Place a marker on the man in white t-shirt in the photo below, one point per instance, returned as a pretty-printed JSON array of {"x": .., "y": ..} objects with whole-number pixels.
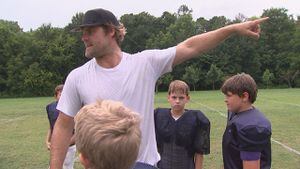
[{"x": 129, "y": 78}]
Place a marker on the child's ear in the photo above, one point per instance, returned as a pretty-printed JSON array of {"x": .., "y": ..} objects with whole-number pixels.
[
  {"x": 84, "y": 161},
  {"x": 245, "y": 96},
  {"x": 168, "y": 97}
]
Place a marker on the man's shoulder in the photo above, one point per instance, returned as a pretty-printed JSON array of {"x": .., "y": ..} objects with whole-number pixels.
[
  {"x": 152, "y": 52},
  {"x": 86, "y": 65},
  {"x": 142, "y": 55},
  {"x": 82, "y": 69}
]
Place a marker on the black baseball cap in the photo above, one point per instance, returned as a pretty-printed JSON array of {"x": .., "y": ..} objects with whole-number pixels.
[{"x": 96, "y": 17}]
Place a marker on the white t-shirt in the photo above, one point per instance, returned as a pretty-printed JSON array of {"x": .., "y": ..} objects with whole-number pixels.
[{"x": 132, "y": 82}]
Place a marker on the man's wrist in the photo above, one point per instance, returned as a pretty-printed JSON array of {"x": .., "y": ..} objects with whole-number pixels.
[{"x": 231, "y": 29}]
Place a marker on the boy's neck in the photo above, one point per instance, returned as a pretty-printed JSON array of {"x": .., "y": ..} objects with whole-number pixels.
[
  {"x": 245, "y": 108},
  {"x": 177, "y": 113}
]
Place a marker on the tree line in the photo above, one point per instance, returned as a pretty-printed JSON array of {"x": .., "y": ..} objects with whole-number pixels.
[{"x": 32, "y": 63}]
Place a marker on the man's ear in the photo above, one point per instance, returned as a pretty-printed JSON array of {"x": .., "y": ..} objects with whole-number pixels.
[
  {"x": 112, "y": 31},
  {"x": 84, "y": 161}
]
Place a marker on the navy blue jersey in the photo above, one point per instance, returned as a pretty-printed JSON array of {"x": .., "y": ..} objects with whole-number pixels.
[
  {"x": 52, "y": 113},
  {"x": 246, "y": 132},
  {"x": 179, "y": 140}
]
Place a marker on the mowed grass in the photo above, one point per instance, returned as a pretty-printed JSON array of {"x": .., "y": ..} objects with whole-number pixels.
[
  {"x": 24, "y": 124},
  {"x": 281, "y": 107}
]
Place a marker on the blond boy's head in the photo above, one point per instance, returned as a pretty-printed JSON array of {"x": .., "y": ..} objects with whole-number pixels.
[
  {"x": 107, "y": 135},
  {"x": 178, "y": 86}
]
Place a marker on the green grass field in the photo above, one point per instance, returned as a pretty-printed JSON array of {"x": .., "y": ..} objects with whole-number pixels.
[{"x": 23, "y": 127}]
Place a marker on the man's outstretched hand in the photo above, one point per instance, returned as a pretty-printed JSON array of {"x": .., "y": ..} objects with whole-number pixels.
[{"x": 249, "y": 28}]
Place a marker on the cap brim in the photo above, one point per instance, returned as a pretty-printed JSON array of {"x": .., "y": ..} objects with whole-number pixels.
[{"x": 80, "y": 27}]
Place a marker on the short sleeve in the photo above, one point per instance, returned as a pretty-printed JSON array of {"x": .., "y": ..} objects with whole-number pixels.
[
  {"x": 161, "y": 60},
  {"x": 202, "y": 137},
  {"x": 47, "y": 110},
  {"x": 69, "y": 102},
  {"x": 253, "y": 138}
]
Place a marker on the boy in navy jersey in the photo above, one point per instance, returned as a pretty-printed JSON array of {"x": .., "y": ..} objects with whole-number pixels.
[
  {"x": 246, "y": 140},
  {"x": 182, "y": 135},
  {"x": 52, "y": 114}
]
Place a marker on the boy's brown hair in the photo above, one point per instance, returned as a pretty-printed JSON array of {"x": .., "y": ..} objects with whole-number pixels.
[
  {"x": 57, "y": 89},
  {"x": 240, "y": 83},
  {"x": 179, "y": 86},
  {"x": 108, "y": 135}
]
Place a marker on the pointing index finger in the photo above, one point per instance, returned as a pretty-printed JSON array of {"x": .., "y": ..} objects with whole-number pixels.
[{"x": 260, "y": 20}]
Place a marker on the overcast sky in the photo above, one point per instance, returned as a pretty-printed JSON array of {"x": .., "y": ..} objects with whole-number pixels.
[{"x": 33, "y": 13}]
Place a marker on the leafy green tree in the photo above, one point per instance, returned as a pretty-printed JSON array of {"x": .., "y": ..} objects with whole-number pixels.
[
  {"x": 50, "y": 53},
  {"x": 216, "y": 22},
  {"x": 202, "y": 25},
  {"x": 192, "y": 75},
  {"x": 291, "y": 71},
  {"x": 9, "y": 47},
  {"x": 164, "y": 80},
  {"x": 166, "y": 20},
  {"x": 74, "y": 47},
  {"x": 214, "y": 75},
  {"x": 18, "y": 63},
  {"x": 295, "y": 56},
  {"x": 181, "y": 29},
  {"x": 37, "y": 81},
  {"x": 47, "y": 49},
  {"x": 276, "y": 41},
  {"x": 139, "y": 28},
  {"x": 267, "y": 77},
  {"x": 163, "y": 38},
  {"x": 183, "y": 10},
  {"x": 75, "y": 21}
]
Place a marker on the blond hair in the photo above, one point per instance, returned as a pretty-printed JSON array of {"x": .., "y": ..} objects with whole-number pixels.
[
  {"x": 108, "y": 135},
  {"x": 120, "y": 31},
  {"x": 179, "y": 86}
]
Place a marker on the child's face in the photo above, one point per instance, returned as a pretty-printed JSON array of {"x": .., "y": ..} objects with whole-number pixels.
[
  {"x": 57, "y": 97},
  {"x": 178, "y": 100},
  {"x": 234, "y": 102}
]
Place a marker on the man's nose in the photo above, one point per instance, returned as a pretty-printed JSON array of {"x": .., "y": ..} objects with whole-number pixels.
[{"x": 84, "y": 36}]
